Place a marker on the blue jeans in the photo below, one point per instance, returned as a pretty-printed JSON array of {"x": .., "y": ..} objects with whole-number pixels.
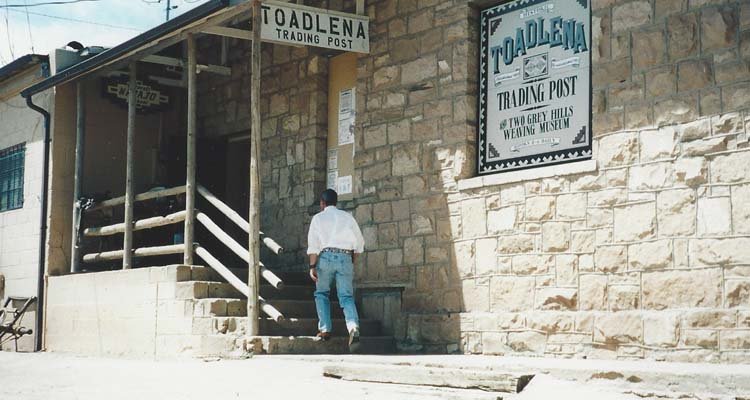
[{"x": 338, "y": 267}]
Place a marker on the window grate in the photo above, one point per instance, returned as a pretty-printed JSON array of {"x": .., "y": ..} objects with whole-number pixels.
[{"x": 11, "y": 177}]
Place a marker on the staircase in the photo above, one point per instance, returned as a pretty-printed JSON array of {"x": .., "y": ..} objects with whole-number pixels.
[{"x": 220, "y": 318}]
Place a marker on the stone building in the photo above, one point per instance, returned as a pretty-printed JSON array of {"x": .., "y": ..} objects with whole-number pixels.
[{"x": 640, "y": 251}]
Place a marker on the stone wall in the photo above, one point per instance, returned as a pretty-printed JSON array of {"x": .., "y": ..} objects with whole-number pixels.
[{"x": 638, "y": 254}]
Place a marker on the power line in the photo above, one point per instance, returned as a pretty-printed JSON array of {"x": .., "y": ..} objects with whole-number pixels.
[
  {"x": 7, "y": 31},
  {"x": 82, "y": 21},
  {"x": 48, "y": 3},
  {"x": 28, "y": 24}
]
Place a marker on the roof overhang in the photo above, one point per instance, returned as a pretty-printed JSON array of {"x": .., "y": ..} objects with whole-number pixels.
[
  {"x": 212, "y": 13},
  {"x": 20, "y": 64}
]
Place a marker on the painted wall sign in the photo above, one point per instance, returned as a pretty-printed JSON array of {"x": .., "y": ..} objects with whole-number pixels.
[
  {"x": 150, "y": 97},
  {"x": 535, "y": 85},
  {"x": 301, "y": 25}
]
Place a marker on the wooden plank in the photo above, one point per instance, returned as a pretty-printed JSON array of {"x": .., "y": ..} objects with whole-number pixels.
[
  {"x": 487, "y": 380},
  {"x": 127, "y": 245},
  {"x": 142, "y": 252},
  {"x": 229, "y": 32},
  {"x": 237, "y": 249},
  {"x": 141, "y": 197},
  {"x": 78, "y": 175},
  {"x": 192, "y": 122},
  {"x": 254, "y": 214},
  {"x": 147, "y": 223}
]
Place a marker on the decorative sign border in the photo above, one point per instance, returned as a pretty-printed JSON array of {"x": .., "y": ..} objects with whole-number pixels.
[
  {"x": 485, "y": 150},
  {"x": 150, "y": 97}
]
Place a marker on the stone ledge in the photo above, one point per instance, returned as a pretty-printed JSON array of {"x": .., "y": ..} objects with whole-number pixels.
[{"x": 527, "y": 174}]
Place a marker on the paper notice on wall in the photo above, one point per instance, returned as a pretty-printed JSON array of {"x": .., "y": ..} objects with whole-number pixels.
[
  {"x": 332, "y": 181},
  {"x": 333, "y": 159},
  {"x": 345, "y": 184},
  {"x": 346, "y": 116}
]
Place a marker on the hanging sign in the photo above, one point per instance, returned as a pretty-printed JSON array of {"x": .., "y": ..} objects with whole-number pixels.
[
  {"x": 149, "y": 96},
  {"x": 535, "y": 84},
  {"x": 307, "y": 26}
]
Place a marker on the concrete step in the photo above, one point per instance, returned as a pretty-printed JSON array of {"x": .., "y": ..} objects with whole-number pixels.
[
  {"x": 303, "y": 308},
  {"x": 205, "y": 289},
  {"x": 289, "y": 278},
  {"x": 309, "y": 327},
  {"x": 313, "y": 345},
  {"x": 290, "y": 292},
  {"x": 220, "y": 307}
]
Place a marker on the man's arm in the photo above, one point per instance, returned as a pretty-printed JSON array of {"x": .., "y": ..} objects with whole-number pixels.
[{"x": 313, "y": 248}]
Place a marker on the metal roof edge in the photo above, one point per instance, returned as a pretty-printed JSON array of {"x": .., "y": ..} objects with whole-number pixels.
[
  {"x": 112, "y": 54},
  {"x": 21, "y": 63}
]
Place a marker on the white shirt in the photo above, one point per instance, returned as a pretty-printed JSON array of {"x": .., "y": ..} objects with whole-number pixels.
[{"x": 334, "y": 228}]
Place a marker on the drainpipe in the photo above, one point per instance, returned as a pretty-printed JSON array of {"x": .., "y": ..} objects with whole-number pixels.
[{"x": 42, "y": 225}]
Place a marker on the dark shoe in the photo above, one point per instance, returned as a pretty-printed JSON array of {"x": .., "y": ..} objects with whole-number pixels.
[
  {"x": 325, "y": 336},
  {"x": 354, "y": 340}
]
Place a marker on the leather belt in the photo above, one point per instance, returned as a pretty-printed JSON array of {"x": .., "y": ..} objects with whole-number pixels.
[{"x": 335, "y": 250}]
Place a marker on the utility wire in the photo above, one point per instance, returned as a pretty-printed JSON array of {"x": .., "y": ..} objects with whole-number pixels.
[
  {"x": 48, "y": 3},
  {"x": 82, "y": 21},
  {"x": 7, "y": 31},
  {"x": 28, "y": 24}
]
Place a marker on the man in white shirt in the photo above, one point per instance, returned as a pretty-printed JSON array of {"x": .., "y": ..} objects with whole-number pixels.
[{"x": 333, "y": 244}]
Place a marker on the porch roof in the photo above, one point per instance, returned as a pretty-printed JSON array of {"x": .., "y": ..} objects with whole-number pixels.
[{"x": 147, "y": 43}]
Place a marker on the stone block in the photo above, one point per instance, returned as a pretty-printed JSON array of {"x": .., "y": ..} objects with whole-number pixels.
[
  {"x": 676, "y": 110},
  {"x": 692, "y": 171},
  {"x": 406, "y": 159},
  {"x": 694, "y": 75},
  {"x": 682, "y": 289},
  {"x": 714, "y": 216},
  {"x": 532, "y": 264},
  {"x": 582, "y": 241},
  {"x": 719, "y": 28},
  {"x": 661, "y": 330},
  {"x": 737, "y": 293},
  {"x": 618, "y": 149},
  {"x": 735, "y": 340},
  {"x": 550, "y": 322},
  {"x": 710, "y": 319},
  {"x": 741, "y": 209},
  {"x": 704, "y": 252},
  {"x": 650, "y": 255},
  {"x": 736, "y": 96},
  {"x": 611, "y": 258},
  {"x": 571, "y": 206},
  {"x": 473, "y": 218},
  {"x": 486, "y": 256},
  {"x": 592, "y": 292},
  {"x": 682, "y": 32},
  {"x": 705, "y": 146},
  {"x": 728, "y": 123},
  {"x": 649, "y": 49},
  {"x": 540, "y": 208},
  {"x": 658, "y": 144},
  {"x": 694, "y": 130},
  {"x": 623, "y": 297},
  {"x": 635, "y": 222},
  {"x": 414, "y": 251},
  {"x": 630, "y": 15},
  {"x": 520, "y": 243},
  {"x": 676, "y": 212},
  {"x": 651, "y": 176},
  {"x": 724, "y": 167},
  {"x": 476, "y": 298},
  {"x": 421, "y": 225},
  {"x": 607, "y": 197},
  {"x": 523, "y": 342},
  {"x": 618, "y": 328},
  {"x": 661, "y": 81},
  {"x": 555, "y": 236},
  {"x": 599, "y": 217},
  {"x": 386, "y": 76},
  {"x": 501, "y": 220},
  {"x": 419, "y": 70},
  {"x": 555, "y": 298},
  {"x": 706, "y": 339},
  {"x": 495, "y": 343},
  {"x": 512, "y": 293}
]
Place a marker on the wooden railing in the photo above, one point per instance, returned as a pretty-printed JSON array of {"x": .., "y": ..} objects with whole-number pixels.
[{"x": 180, "y": 217}]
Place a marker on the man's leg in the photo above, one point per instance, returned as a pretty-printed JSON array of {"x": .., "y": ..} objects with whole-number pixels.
[
  {"x": 322, "y": 289},
  {"x": 345, "y": 290}
]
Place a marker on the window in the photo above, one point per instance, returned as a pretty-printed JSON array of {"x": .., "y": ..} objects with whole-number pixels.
[{"x": 11, "y": 177}]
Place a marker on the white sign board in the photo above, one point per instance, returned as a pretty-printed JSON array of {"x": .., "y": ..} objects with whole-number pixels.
[
  {"x": 307, "y": 26},
  {"x": 535, "y": 85}
]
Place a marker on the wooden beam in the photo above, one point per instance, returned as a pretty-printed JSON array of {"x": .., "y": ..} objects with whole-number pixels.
[
  {"x": 142, "y": 252},
  {"x": 229, "y": 32},
  {"x": 78, "y": 175},
  {"x": 254, "y": 214},
  {"x": 127, "y": 245},
  {"x": 192, "y": 122},
  {"x": 360, "y": 7},
  {"x": 176, "y": 62},
  {"x": 141, "y": 197},
  {"x": 147, "y": 223}
]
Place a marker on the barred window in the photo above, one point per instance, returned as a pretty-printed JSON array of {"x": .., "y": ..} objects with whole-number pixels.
[{"x": 11, "y": 177}]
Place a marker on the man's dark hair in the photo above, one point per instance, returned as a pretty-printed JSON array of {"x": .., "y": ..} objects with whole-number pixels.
[{"x": 330, "y": 197}]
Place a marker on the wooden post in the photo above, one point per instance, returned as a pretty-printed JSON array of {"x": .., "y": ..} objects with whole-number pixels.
[
  {"x": 78, "y": 177},
  {"x": 189, "y": 234},
  {"x": 127, "y": 246},
  {"x": 254, "y": 215}
]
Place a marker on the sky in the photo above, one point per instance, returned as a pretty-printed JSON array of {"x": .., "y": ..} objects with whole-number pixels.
[{"x": 92, "y": 23}]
